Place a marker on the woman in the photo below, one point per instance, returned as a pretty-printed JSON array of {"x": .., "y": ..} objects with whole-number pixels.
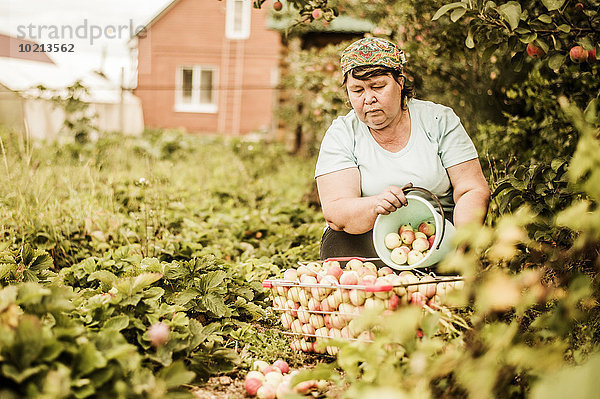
[{"x": 389, "y": 141}]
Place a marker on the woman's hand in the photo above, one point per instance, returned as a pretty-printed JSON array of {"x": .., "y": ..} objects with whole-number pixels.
[{"x": 390, "y": 199}]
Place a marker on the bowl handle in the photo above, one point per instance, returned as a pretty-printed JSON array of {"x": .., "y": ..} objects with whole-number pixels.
[{"x": 438, "y": 203}]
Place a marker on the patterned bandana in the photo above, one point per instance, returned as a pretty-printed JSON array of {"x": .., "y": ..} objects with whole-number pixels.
[{"x": 372, "y": 51}]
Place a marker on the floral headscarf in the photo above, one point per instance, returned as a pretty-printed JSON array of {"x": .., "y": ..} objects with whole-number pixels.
[{"x": 372, "y": 51}]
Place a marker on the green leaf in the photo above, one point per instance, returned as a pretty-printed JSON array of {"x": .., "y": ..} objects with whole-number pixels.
[
  {"x": 211, "y": 280},
  {"x": 103, "y": 276},
  {"x": 117, "y": 323},
  {"x": 216, "y": 305},
  {"x": 41, "y": 262},
  {"x": 447, "y": 7},
  {"x": 6, "y": 269},
  {"x": 27, "y": 254},
  {"x": 511, "y": 13},
  {"x": 469, "y": 42},
  {"x": 88, "y": 359},
  {"x": 578, "y": 382},
  {"x": 14, "y": 374},
  {"x": 457, "y": 13},
  {"x": 556, "y": 61},
  {"x": 552, "y": 5},
  {"x": 564, "y": 28},
  {"x": 586, "y": 43},
  {"x": 176, "y": 375},
  {"x": 545, "y": 18}
]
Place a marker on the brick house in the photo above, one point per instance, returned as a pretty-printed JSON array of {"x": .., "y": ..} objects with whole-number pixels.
[{"x": 208, "y": 66}]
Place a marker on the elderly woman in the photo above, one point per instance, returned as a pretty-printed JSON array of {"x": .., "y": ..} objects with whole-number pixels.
[{"x": 388, "y": 142}]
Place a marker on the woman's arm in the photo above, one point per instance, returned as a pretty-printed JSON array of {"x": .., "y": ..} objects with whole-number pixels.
[
  {"x": 470, "y": 191},
  {"x": 345, "y": 209}
]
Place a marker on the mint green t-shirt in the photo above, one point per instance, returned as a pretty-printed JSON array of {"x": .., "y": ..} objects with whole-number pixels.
[{"x": 437, "y": 141}]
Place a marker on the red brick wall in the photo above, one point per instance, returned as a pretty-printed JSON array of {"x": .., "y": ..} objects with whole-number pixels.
[{"x": 193, "y": 32}]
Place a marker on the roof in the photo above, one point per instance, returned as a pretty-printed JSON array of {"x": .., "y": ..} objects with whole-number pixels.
[
  {"x": 9, "y": 47},
  {"x": 24, "y": 76},
  {"x": 158, "y": 16}
]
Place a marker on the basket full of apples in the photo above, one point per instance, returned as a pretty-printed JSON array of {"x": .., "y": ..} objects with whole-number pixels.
[{"x": 320, "y": 300}]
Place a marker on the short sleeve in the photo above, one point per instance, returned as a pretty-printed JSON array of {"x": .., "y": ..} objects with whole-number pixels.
[
  {"x": 337, "y": 149},
  {"x": 454, "y": 144}
]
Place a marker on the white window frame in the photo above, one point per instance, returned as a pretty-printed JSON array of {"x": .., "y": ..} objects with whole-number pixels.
[
  {"x": 196, "y": 105},
  {"x": 244, "y": 31}
]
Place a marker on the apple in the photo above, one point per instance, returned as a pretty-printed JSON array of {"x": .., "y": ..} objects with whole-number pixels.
[
  {"x": 317, "y": 348},
  {"x": 404, "y": 248},
  {"x": 409, "y": 280},
  {"x": 303, "y": 315},
  {"x": 292, "y": 307},
  {"x": 398, "y": 256},
  {"x": 259, "y": 365},
  {"x": 357, "y": 297},
  {"x": 414, "y": 257},
  {"x": 294, "y": 294},
  {"x": 381, "y": 281},
  {"x": 394, "y": 302},
  {"x": 307, "y": 329},
  {"x": 158, "y": 334},
  {"x": 296, "y": 327},
  {"x": 374, "y": 304},
  {"x": 578, "y": 54},
  {"x": 303, "y": 298},
  {"x": 392, "y": 240},
  {"x": 252, "y": 385},
  {"x": 418, "y": 234},
  {"x": 283, "y": 390},
  {"x": 308, "y": 279},
  {"x": 279, "y": 302},
  {"x": 303, "y": 387},
  {"x": 337, "y": 321},
  {"x": 346, "y": 333},
  {"x": 273, "y": 378},
  {"x": 418, "y": 299},
  {"x": 579, "y": 6},
  {"x": 349, "y": 278},
  {"x": 592, "y": 55},
  {"x": 305, "y": 345},
  {"x": 354, "y": 264},
  {"x": 317, "y": 321},
  {"x": 420, "y": 244},
  {"x": 427, "y": 289},
  {"x": 408, "y": 236},
  {"x": 290, "y": 275},
  {"x": 371, "y": 266},
  {"x": 405, "y": 227},
  {"x": 364, "y": 271},
  {"x": 267, "y": 391},
  {"x": 317, "y": 13},
  {"x": 334, "y": 300},
  {"x": 277, "y": 6},
  {"x": 319, "y": 293},
  {"x": 535, "y": 51},
  {"x": 384, "y": 271},
  {"x": 286, "y": 321},
  {"x": 431, "y": 240},
  {"x": 427, "y": 228},
  {"x": 313, "y": 305},
  {"x": 346, "y": 311},
  {"x": 305, "y": 271},
  {"x": 335, "y": 271}
]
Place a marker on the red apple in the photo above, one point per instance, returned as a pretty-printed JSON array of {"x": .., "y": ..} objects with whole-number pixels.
[
  {"x": 534, "y": 51},
  {"x": 427, "y": 228},
  {"x": 417, "y": 298},
  {"x": 277, "y": 6},
  {"x": 408, "y": 236},
  {"x": 335, "y": 271},
  {"x": 349, "y": 278},
  {"x": 317, "y": 13},
  {"x": 384, "y": 271},
  {"x": 405, "y": 227},
  {"x": 431, "y": 240},
  {"x": 252, "y": 385},
  {"x": 578, "y": 54},
  {"x": 592, "y": 55}
]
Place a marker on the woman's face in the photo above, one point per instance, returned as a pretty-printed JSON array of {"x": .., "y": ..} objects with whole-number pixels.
[{"x": 376, "y": 100}]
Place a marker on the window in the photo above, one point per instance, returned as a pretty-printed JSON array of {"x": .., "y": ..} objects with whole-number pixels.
[
  {"x": 196, "y": 89},
  {"x": 237, "y": 22}
]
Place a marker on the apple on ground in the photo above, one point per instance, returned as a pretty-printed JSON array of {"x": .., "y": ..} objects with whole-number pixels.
[
  {"x": 252, "y": 385},
  {"x": 273, "y": 378},
  {"x": 267, "y": 391},
  {"x": 259, "y": 365},
  {"x": 282, "y": 365}
]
